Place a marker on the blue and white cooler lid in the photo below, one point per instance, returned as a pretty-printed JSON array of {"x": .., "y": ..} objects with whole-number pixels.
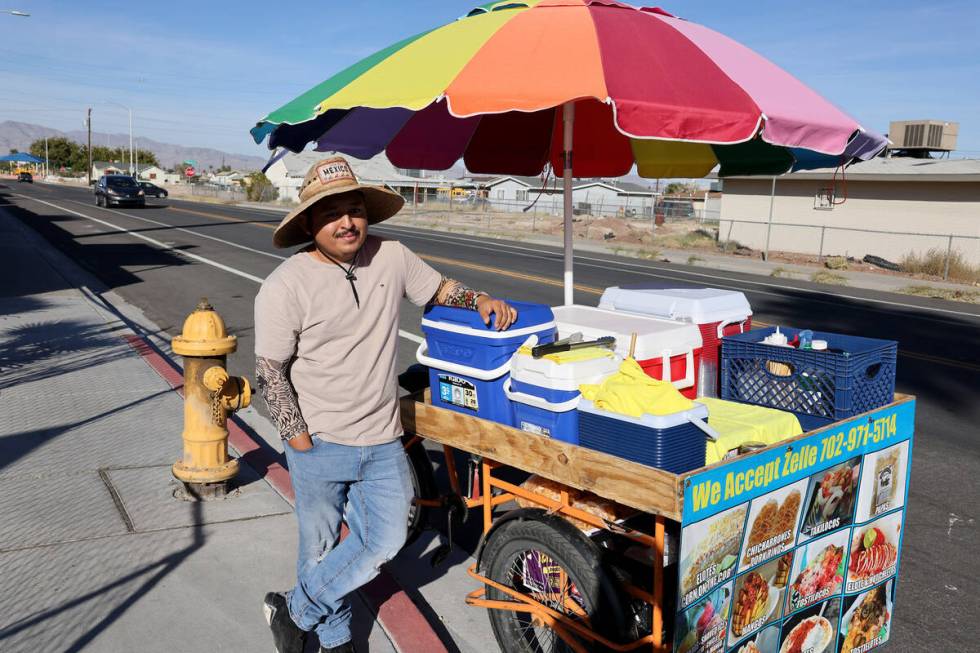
[{"x": 531, "y": 318}]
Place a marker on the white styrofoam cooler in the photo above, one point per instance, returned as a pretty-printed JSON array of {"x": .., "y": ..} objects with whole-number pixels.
[
  {"x": 716, "y": 312},
  {"x": 694, "y": 305},
  {"x": 666, "y": 349}
]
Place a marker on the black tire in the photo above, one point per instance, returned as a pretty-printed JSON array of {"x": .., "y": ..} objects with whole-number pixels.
[
  {"x": 519, "y": 543},
  {"x": 423, "y": 486},
  {"x": 885, "y": 264}
]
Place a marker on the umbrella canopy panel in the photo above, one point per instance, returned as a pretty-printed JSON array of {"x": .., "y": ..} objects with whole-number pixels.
[{"x": 672, "y": 97}]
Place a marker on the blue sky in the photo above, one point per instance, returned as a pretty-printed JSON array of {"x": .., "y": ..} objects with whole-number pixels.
[{"x": 201, "y": 73}]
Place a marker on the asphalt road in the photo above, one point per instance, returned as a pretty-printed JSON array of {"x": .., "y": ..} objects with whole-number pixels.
[{"x": 164, "y": 257}]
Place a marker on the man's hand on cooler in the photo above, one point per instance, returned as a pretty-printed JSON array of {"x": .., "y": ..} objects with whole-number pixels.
[
  {"x": 301, "y": 442},
  {"x": 506, "y": 314}
]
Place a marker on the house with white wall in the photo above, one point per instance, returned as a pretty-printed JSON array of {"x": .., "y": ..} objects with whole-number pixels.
[
  {"x": 594, "y": 197},
  {"x": 288, "y": 172},
  {"x": 157, "y": 175},
  {"x": 226, "y": 178},
  {"x": 885, "y": 207}
]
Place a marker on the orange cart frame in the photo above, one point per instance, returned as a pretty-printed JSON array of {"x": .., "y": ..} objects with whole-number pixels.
[{"x": 646, "y": 489}]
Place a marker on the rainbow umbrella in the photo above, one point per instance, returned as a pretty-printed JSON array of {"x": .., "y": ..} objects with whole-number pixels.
[{"x": 513, "y": 86}]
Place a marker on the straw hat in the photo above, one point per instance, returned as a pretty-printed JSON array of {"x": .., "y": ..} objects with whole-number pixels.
[{"x": 333, "y": 176}]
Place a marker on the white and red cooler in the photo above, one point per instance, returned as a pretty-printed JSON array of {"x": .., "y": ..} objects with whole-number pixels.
[
  {"x": 665, "y": 349},
  {"x": 715, "y": 312}
]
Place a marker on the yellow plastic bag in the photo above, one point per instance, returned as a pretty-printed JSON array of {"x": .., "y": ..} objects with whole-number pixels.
[
  {"x": 631, "y": 392},
  {"x": 738, "y": 423}
]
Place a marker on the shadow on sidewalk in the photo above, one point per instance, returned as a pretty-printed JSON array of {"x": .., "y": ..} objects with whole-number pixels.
[
  {"x": 151, "y": 575},
  {"x": 45, "y": 349},
  {"x": 15, "y": 447}
]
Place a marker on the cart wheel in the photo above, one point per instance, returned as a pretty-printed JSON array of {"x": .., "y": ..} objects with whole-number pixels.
[
  {"x": 423, "y": 485},
  {"x": 560, "y": 571}
]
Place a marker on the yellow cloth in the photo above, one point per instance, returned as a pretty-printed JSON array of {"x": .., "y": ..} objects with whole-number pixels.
[
  {"x": 738, "y": 423},
  {"x": 572, "y": 356},
  {"x": 631, "y": 392}
]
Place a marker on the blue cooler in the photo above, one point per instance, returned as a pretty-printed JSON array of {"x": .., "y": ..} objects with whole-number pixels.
[
  {"x": 544, "y": 391},
  {"x": 469, "y": 361},
  {"x": 675, "y": 443}
]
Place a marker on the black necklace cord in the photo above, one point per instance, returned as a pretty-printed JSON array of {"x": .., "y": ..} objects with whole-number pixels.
[{"x": 349, "y": 272}]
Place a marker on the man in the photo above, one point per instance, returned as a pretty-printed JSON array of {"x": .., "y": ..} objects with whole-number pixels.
[{"x": 326, "y": 333}]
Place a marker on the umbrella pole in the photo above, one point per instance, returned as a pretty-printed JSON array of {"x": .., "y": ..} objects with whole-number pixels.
[{"x": 568, "y": 119}]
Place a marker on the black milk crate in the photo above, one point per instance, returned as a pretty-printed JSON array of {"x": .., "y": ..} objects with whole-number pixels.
[{"x": 852, "y": 376}]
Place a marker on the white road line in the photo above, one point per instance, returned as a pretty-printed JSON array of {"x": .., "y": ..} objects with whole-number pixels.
[
  {"x": 221, "y": 266},
  {"x": 188, "y": 231},
  {"x": 153, "y": 241},
  {"x": 666, "y": 272}
]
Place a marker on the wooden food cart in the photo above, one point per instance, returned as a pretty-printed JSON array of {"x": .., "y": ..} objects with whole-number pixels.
[{"x": 741, "y": 541}]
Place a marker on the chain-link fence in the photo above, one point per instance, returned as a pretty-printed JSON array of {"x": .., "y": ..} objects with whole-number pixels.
[
  {"x": 220, "y": 193},
  {"x": 889, "y": 248},
  {"x": 553, "y": 205}
]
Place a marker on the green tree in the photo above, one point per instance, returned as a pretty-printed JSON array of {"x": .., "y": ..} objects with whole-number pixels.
[
  {"x": 260, "y": 189},
  {"x": 679, "y": 188},
  {"x": 146, "y": 157},
  {"x": 61, "y": 152}
]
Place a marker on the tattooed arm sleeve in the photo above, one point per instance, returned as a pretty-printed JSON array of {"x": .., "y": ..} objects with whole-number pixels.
[
  {"x": 280, "y": 397},
  {"x": 455, "y": 293}
]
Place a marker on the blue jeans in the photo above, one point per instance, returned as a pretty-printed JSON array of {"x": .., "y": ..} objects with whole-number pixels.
[{"x": 369, "y": 487}]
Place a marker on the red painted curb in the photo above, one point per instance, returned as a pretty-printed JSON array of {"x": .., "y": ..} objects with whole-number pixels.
[{"x": 405, "y": 625}]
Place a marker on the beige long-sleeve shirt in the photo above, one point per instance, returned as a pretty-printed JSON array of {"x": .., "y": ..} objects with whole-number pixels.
[{"x": 343, "y": 356}]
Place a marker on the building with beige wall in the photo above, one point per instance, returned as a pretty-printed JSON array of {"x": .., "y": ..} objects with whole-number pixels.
[{"x": 931, "y": 198}]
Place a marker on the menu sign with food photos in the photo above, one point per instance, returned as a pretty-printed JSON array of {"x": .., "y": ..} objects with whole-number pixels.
[{"x": 796, "y": 549}]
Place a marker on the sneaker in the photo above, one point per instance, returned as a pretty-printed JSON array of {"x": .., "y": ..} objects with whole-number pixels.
[
  {"x": 346, "y": 647},
  {"x": 287, "y": 636}
]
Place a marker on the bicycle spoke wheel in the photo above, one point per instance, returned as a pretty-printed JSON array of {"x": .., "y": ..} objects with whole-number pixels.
[{"x": 556, "y": 570}]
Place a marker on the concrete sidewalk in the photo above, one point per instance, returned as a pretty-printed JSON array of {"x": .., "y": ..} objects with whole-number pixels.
[{"x": 97, "y": 553}]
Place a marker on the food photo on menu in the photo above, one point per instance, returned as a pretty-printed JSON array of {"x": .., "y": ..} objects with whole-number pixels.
[
  {"x": 772, "y": 523},
  {"x": 873, "y": 552},
  {"x": 758, "y": 597},
  {"x": 702, "y": 628},
  {"x": 830, "y": 499},
  {"x": 883, "y": 482},
  {"x": 765, "y": 641},
  {"x": 813, "y": 630},
  {"x": 709, "y": 551},
  {"x": 867, "y": 619},
  {"x": 818, "y": 570}
]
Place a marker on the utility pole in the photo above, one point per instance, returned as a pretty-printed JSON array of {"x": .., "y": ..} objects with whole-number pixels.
[
  {"x": 132, "y": 154},
  {"x": 47, "y": 167},
  {"x": 88, "y": 121}
]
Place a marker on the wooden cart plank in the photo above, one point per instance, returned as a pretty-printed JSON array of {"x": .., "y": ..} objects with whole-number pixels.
[{"x": 632, "y": 484}]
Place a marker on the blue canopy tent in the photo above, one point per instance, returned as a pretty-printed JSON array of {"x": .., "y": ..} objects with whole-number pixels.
[{"x": 21, "y": 157}]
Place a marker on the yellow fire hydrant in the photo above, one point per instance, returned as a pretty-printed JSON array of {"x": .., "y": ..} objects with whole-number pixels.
[{"x": 210, "y": 395}]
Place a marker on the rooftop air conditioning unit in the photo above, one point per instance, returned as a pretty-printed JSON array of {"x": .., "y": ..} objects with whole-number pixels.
[{"x": 932, "y": 135}]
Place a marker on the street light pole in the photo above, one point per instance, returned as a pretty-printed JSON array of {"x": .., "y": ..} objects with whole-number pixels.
[
  {"x": 132, "y": 156},
  {"x": 88, "y": 124}
]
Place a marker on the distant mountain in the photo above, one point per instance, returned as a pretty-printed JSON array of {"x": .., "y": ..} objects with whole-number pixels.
[{"x": 20, "y": 135}]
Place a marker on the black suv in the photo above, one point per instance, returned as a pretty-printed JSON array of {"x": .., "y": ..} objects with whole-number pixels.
[
  {"x": 25, "y": 176},
  {"x": 118, "y": 190},
  {"x": 152, "y": 190}
]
